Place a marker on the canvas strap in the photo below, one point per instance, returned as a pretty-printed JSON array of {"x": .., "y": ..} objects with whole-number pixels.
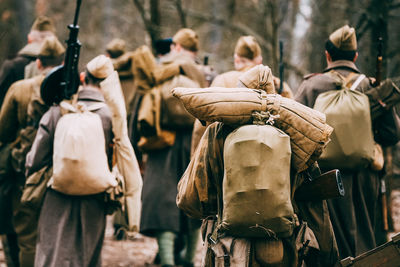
[{"x": 357, "y": 82}]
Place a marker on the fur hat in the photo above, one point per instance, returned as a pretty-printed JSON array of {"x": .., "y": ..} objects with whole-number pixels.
[
  {"x": 188, "y": 39},
  {"x": 247, "y": 47},
  {"x": 100, "y": 67}
]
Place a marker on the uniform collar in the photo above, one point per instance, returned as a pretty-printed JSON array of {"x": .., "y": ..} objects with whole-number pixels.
[
  {"x": 342, "y": 64},
  {"x": 90, "y": 94}
]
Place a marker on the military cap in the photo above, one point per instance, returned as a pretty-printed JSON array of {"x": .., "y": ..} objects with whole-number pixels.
[
  {"x": 187, "y": 38},
  {"x": 344, "y": 38},
  {"x": 100, "y": 67},
  {"x": 116, "y": 47},
  {"x": 247, "y": 47},
  {"x": 42, "y": 24},
  {"x": 51, "y": 48}
]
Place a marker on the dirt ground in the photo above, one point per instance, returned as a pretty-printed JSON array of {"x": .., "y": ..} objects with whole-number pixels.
[{"x": 140, "y": 250}]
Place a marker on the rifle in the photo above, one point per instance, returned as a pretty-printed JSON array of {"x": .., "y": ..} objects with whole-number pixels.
[
  {"x": 63, "y": 81},
  {"x": 379, "y": 59},
  {"x": 326, "y": 186},
  {"x": 281, "y": 67},
  {"x": 378, "y": 80}
]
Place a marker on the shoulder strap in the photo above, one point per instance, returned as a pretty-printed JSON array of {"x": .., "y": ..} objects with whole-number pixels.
[
  {"x": 357, "y": 82},
  {"x": 347, "y": 81}
]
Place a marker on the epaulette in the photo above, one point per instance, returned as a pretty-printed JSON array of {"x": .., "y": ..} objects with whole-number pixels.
[{"x": 308, "y": 76}]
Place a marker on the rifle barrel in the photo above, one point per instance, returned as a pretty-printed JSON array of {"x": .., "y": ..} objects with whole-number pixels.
[{"x": 78, "y": 6}]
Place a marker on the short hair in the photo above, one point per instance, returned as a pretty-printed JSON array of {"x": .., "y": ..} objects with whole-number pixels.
[
  {"x": 338, "y": 54},
  {"x": 91, "y": 80},
  {"x": 51, "y": 61}
]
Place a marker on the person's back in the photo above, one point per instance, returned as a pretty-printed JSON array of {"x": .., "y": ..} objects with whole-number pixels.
[
  {"x": 354, "y": 216},
  {"x": 160, "y": 216},
  {"x": 14, "y": 69},
  {"x": 71, "y": 228}
]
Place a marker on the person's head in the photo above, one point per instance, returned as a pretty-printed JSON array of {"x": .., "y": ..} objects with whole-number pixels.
[
  {"x": 97, "y": 70},
  {"x": 51, "y": 53},
  {"x": 116, "y": 48},
  {"x": 42, "y": 27},
  {"x": 247, "y": 53},
  {"x": 185, "y": 40},
  {"x": 342, "y": 45}
]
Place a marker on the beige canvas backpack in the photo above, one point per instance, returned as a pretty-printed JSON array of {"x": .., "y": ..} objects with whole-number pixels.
[
  {"x": 80, "y": 165},
  {"x": 256, "y": 185},
  {"x": 348, "y": 112}
]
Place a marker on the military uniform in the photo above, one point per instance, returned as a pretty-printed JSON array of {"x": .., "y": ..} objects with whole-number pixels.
[
  {"x": 71, "y": 228},
  {"x": 19, "y": 118},
  {"x": 353, "y": 216},
  {"x": 14, "y": 69},
  {"x": 164, "y": 167}
]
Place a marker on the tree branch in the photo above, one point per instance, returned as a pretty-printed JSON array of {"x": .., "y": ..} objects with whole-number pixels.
[
  {"x": 181, "y": 13},
  {"x": 238, "y": 27}
]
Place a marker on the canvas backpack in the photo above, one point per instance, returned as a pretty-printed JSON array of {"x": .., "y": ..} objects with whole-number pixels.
[
  {"x": 256, "y": 194},
  {"x": 348, "y": 112},
  {"x": 80, "y": 165}
]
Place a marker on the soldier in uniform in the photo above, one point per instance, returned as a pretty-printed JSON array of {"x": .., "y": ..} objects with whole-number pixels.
[
  {"x": 19, "y": 116},
  {"x": 353, "y": 216},
  {"x": 122, "y": 62},
  {"x": 71, "y": 228},
  {"x": 161, "y": 218},
  {"x": 14, "y": 69}
]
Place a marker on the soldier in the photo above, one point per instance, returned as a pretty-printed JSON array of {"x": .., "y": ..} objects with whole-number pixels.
[
  {"x": 122, "y": 62},
  {"x": 247, "y": 55},
  {"x": 160, "y": 216},
  {"x": 14, "y": 69},
  {"x": 19, "y": 117},
  {"x": 353, "y": 217},
  {"x": 71, "y": 228}
]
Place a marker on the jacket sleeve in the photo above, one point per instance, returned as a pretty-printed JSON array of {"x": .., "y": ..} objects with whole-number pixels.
[
  {"x": 8, "y": 118},
  {"x": 41, "y": 153},
  {"x": 301, "y": 95},
  {"x": 197, "y": 189}
]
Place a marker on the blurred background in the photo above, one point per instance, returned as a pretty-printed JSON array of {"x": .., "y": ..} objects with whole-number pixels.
[{"x": 302, "y": 25}]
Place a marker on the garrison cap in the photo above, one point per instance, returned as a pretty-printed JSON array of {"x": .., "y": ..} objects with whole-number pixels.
[
  {"x": 100, "y": 67},
  {"x": 116, "y": 46},
  {"x": 51, "y": 48},
  {"x": 247, "y": 47},
  {"x": 344, "y": 38},
  {"x": 187, "y": 38},
  {"x": 42, "y": 24}
]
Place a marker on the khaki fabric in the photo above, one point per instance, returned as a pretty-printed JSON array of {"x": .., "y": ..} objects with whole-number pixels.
[
  {"x": 260, "y": 205},
  {"x": 344, "y": 38},
  {"x": 100, "y": 67},
  {"x": 43, "y": 23},
  {"x": 247, "y": 47},
  {"x": 75, "y": 170},
  {"x": 51, "y": 48},
  {"x": 126, "y": 160},
  {"x": 348, "y": 112},
  {"x": 173, "y": 113},
  {"x": 307, "y": 128},
  {"x": 258, "y": 77},
  {"x": 123, "y": 65},
  {"x": 187, "y": 38},
  {"x": 143, "y": 64}
]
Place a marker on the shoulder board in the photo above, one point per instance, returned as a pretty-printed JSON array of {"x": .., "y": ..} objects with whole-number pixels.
[{"x": 308, "y": 76}]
